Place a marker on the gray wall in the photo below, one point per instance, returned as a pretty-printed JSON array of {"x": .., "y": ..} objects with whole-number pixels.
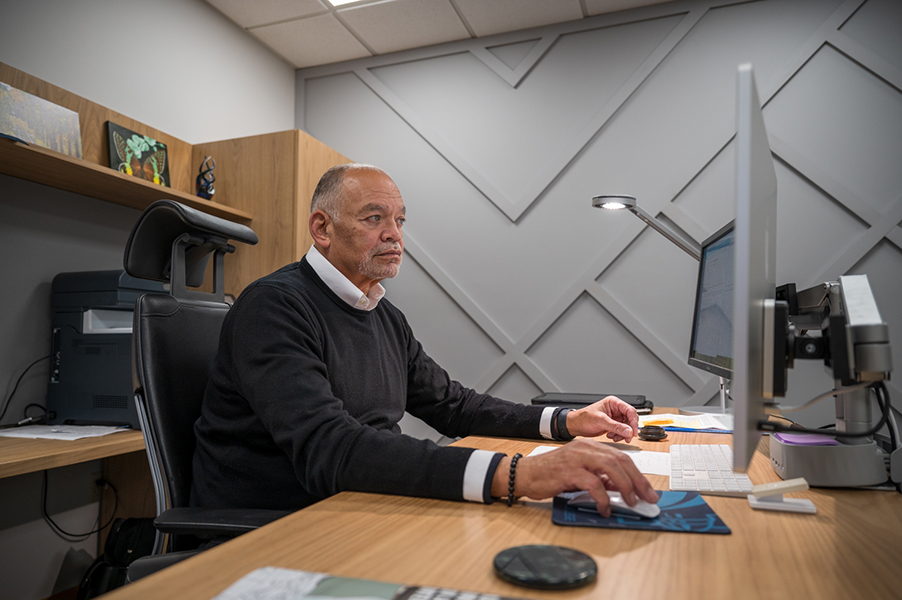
[
  {"x": 517, "y": 286},
  {"x": 179, "y": 66}
]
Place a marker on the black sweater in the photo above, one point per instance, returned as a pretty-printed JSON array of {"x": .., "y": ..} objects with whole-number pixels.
[{"x": 305, "y": 397}]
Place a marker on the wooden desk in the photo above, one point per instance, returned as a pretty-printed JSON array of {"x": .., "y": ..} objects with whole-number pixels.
[
  {"x": 850, "y": 549},
  {"x": 124, "y": 465},
  {"x": 19, "y": 455}
]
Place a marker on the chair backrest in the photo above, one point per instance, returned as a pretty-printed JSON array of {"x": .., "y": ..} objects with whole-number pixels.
[
  {"x": 175, "y": 342},
  {"x": 174, "y": 337}
]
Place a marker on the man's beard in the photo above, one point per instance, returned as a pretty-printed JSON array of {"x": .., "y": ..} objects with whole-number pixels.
[{"x": 371, "y": 269}]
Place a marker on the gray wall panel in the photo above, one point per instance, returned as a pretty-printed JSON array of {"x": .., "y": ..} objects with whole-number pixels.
[
  {"x": 498, "y": 145},
  {"x": 639, "y": 278},
  {"x": 876, "y": 27},
  {"x": 426, "y": 303},
  {"x": 804, "y": 252},
  {"x": 847, "y": 121},
  {"x": 508, "y": 134},
  {"x": 609, "y": 359}
]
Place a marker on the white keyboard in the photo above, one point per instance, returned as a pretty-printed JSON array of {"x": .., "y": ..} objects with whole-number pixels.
[{"x": 706, "y": 469}]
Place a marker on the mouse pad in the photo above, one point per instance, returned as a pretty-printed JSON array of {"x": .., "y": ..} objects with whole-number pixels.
[{"x": 685, "y": 512}]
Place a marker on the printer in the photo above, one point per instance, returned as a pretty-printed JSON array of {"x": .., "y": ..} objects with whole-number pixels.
[{"x": 91, "y": 347}]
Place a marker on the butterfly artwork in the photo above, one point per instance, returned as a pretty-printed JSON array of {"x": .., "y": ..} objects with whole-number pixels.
[{"x": 138, "y": 155}]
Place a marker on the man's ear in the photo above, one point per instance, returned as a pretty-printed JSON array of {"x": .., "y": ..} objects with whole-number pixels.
[{"x": 321, "y": 228}]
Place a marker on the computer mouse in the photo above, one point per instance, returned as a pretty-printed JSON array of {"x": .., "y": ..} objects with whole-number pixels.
[{"x": 618, "y": 505}]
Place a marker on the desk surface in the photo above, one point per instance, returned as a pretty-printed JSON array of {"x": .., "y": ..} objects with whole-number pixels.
[
  {"x": 18, "y": 455},
  {"x": 849, "y": 549}
]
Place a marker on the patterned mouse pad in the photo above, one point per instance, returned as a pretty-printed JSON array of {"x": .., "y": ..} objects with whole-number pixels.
[{"x": 685, "y": 512}]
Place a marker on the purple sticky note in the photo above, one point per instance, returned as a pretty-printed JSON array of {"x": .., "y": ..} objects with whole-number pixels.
[{"x": 806, "y": 439}]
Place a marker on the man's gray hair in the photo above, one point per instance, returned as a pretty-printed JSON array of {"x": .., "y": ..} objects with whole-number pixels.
[{"x": 328, "y": 196}]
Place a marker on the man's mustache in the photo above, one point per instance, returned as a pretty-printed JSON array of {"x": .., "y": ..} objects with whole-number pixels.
[{"x": 389, "y": 247}]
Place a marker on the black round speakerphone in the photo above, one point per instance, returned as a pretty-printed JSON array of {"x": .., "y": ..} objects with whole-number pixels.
[{"x": 545, "y": 567}]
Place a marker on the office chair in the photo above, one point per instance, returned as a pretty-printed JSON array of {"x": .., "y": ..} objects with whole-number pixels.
[{"x": 175, "y": 338}]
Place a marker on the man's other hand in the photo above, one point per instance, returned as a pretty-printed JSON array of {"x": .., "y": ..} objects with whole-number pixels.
[{"x": 610, "y": 416}]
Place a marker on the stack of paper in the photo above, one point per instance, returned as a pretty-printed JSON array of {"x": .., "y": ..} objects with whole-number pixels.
[{"x": 698, "y": 423}]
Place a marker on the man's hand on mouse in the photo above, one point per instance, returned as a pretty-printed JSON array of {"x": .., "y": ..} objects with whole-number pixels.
[
  {"x": 580, "y": 465},
  {"x": 610, "y": 416}
]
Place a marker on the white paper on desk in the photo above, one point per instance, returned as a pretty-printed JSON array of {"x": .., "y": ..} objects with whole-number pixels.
[
  {"x": 712, "y": 421},
  {"x": 59, "y": 432},
  {"x": 272, "y": 583},
  {"x": 648, "y": 462}
]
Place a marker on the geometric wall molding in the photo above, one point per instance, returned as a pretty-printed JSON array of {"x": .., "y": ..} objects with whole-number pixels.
[
  {"x": 510, "y": 66},
  {"x": 459, "y": 100}
]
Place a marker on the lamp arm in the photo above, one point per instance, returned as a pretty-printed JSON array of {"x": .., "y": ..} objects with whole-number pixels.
[{"x": 690, "y": 247}]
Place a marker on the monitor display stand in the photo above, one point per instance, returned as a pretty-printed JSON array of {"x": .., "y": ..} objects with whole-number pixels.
[{"x": 711, "y": 410}]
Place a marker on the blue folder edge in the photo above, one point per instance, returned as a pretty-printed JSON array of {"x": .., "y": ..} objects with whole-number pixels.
[
  {"x": 669, "y": 428},
  {"x": 681, "y": 512}
]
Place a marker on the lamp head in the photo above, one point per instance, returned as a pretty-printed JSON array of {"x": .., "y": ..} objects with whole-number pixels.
[{"x": 614, "y": 201}]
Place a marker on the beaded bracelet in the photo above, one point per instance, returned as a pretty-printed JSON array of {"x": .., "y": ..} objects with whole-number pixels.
[{"x": 513, "y": 474}]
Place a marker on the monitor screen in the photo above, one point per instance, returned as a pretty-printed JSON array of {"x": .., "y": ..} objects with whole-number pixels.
[
  {"x": 755, "y": 268},
  {"x": 711, "y": 345}
]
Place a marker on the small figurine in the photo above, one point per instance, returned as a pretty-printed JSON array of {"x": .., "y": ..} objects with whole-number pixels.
[{"x": 205, "y": 178}]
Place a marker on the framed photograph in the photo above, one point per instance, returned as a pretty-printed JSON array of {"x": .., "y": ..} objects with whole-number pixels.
[
  {"x": 138, "y": 155},
  {"x": 33, "y": 120}
]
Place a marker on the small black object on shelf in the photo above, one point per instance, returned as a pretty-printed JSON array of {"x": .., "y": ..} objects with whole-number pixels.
[{"x": 205, "y": 178}]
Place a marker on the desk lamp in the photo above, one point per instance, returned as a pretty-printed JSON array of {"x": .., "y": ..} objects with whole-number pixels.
[{"x": 621, "y": 201}]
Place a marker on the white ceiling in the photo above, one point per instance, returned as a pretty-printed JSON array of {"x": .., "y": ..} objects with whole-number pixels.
[{"x": 307, "y": 33}]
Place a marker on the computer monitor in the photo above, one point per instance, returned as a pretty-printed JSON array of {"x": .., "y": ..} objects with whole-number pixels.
[
  {"x": 711, "y": 343},
  {"x": 855, "y": 345},
  {"x": 755, "y": 234}
]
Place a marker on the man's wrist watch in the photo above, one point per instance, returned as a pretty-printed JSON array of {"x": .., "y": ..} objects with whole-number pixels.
[{"x": 562, "y": 432}]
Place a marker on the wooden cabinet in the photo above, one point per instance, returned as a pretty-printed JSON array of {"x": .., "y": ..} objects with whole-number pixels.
[
  {"x": 263, "y": 181},
  {"x": 271, "y": 176}
]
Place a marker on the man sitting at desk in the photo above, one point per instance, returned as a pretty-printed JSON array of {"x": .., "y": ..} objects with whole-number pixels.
[{"x": 315, "y": 370}]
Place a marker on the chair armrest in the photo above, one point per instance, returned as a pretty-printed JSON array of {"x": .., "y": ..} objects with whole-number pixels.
[{"x": 215, "y": 522}]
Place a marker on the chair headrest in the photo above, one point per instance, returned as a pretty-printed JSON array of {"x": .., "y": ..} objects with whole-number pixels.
[{"x": 148, "y": 252}]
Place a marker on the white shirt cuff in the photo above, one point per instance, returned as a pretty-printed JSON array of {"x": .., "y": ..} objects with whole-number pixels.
[
  {"x": 545, "y": 422},
  {"x": 475, "y": 475}
]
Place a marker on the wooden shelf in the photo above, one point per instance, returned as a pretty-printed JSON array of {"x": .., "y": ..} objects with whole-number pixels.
[{"x": 82, "y": 177}]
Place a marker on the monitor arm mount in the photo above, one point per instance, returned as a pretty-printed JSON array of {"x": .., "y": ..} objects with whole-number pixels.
[
  {"x": 855, "y": 343},
  {"x": 855, "y": 348}
]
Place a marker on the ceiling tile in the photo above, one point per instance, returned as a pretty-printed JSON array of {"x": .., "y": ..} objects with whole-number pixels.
[
  {"x": 404, "y": 24},
  {"x": 309, "y": 42},
  {"x": 599, "y": 7},
  {"x": 499, "y": 16},
  {"x": 262, "y": 12}
]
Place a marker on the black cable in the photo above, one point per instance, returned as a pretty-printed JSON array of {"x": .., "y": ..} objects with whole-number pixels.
[
  {"x": 25, "y": 411},
  {"x": 29, "y": 420},
  {"x": 26, "y": 420},
  {"x": 890, "y": 428},
  {"x": 77, "y": 537},
  {"x": 9, "y": 398},
  {"x": 882, "y": 402}
]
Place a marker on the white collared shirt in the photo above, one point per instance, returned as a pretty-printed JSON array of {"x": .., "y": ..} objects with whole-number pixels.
[
  {"x": 341, "y": 285},
  {"x": 476, "y": 472}
]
